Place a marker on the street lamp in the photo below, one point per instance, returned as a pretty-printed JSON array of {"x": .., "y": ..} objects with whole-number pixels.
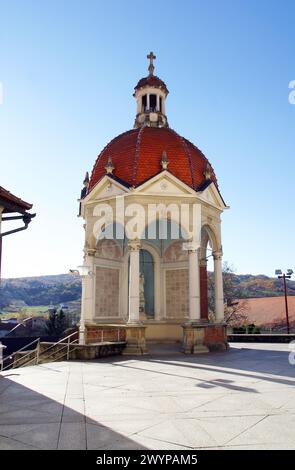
[
  {"x": 83, "y": 272},
  {"x": 284, "y": 276}
]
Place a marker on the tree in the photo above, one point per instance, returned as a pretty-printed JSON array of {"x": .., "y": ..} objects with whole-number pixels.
[
  {"x": 56, "y": 323},
  {"x": 235, "y": 310}
]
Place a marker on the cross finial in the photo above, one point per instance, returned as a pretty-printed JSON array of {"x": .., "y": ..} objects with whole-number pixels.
[{"x": 151, "y": 57}]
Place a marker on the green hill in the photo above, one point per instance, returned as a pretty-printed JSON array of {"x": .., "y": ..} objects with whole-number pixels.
[
  {"x": 42, "y": 290},
  {"x": 61, "y": 288}
]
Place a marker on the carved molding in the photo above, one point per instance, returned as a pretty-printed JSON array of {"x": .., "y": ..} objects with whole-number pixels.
[
  {"x": 108, "y": 249},
  {"x": 134, "y": 245},
  {"x": 175, "y": 252},
  {"x": 191, "y": 247}
]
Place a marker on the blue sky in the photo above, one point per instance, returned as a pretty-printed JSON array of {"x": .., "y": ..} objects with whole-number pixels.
[{"x": 68, "y": 69}]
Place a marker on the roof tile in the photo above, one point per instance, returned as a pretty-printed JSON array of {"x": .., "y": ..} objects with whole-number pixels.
[{"x": 136, "y": 156}]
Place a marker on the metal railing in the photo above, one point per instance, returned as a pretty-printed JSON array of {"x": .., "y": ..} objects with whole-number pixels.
[
  {"x": 39, "y": 355},
  {"x": 102, "y": 336},
  {"x": 35, "y": 356},
  {"x": 11, "y": 356},
  {"x": 66, "y": 346}
]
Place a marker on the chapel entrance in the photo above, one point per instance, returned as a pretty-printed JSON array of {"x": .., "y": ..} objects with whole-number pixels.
[{"x": 147, "y": 284}]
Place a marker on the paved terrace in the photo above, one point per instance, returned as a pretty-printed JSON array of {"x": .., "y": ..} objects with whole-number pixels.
[{"x": 243, "y": 399}]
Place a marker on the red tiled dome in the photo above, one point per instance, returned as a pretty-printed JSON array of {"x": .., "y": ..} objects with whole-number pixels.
[
  {"x": 152, "y": 80},
  {"x": 136, "y": 156}
]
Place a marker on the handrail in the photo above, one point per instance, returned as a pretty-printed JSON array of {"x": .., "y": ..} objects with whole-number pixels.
[
  {"x": 37, "y": 353},
  {"x": 19, "y": 324},
  {"x": 36, "y": 359},
  {"x": 60, "y": 341},
  {"x": 65, "y": 346},
  {"x": 36, "y": 350},
  {"x": 18, "y": 351}
]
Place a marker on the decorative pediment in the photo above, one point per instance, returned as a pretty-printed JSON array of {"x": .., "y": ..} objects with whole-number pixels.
[
  {"x": 106, "y": 188},
  {"x": 212, "y": 196},
  {"x": 165, "y": 184}
]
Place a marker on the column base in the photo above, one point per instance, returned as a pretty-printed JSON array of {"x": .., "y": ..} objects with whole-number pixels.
[
  {"x": 135, "y": 340},
  {"x": 193, "y": 338},
  {"x": 82, "y": 335},
  {"x": 203, "y": 337}
]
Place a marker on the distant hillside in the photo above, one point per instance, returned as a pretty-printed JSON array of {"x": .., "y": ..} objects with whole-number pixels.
[
  {"x": 44, "y": 290},
  {"x": 250, "y": 286}
]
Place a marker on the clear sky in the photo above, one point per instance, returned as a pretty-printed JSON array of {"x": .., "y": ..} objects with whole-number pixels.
[{"x": 68, "y": 69}]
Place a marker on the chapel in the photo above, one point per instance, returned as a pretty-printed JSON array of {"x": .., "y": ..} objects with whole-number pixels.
[{"x": 152, "y": 218}]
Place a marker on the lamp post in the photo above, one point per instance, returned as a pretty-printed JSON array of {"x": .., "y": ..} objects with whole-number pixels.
[
  {"x": 83, "y": 272},
  {"x": 285, "y": 276}
]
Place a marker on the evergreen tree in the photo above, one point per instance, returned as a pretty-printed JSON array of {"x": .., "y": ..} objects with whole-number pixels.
[{"x": 56, "y": 323}]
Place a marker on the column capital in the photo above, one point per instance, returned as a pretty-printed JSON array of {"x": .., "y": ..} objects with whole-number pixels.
[
  {"x": 134, "y": 245},
  {"x": 203, "y": 262},
  {"x": 217, "y": 255},
  {"x": 191, "y": 247},
  {"x": 90, "y": 251}
]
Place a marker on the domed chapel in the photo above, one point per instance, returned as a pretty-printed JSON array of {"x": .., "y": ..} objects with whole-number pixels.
[{"x": 152, "y": 210}]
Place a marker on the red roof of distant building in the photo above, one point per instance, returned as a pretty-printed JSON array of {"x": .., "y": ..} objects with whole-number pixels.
[
  {"x": 11, "y": 199},
  {"x": 269, "y": 311},
  {"x": 152, "y": 80},
  {"x": 136, "y": 156}
]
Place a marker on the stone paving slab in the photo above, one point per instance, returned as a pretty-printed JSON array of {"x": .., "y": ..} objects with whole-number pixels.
[{"x": 241, "y": 399}]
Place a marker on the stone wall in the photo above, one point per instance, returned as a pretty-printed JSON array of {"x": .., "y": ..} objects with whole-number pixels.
[
  {"x": 215, "y": 337},
  {"x": 177, "y": 293},
  {"x": 107, "y": 292},
  {"x": 95, "y": 334}
]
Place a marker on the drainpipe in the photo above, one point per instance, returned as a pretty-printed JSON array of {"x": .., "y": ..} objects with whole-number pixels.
[{"x": 26, "y": 218}]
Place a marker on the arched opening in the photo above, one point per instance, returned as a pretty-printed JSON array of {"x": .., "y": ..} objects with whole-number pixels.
[
  {"x": 163, "y": 240},
  {"x": 208, "y": 245},
  {"x": 153, "y": 103},
  {"x": 147, "y": 284},
  {"x": 144, "y": 103}
]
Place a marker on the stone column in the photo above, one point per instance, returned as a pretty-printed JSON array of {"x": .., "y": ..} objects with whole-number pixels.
[
  {"x": 87, "y": 280},
  {"x": 204, "y": 289},
  {"x": 134, "y": 246},
  {"x": 158, "y": 103},
  {"x": 194, "y": 330},
  {"x": 135, "y": 330},
  {"x": 218, "y": 287},
  {"x": 194, "y": 284},
  {"x": 82, "y": 338},
  {"x": 148, "y": 102},
  {"x": 163, "y": 106}
]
